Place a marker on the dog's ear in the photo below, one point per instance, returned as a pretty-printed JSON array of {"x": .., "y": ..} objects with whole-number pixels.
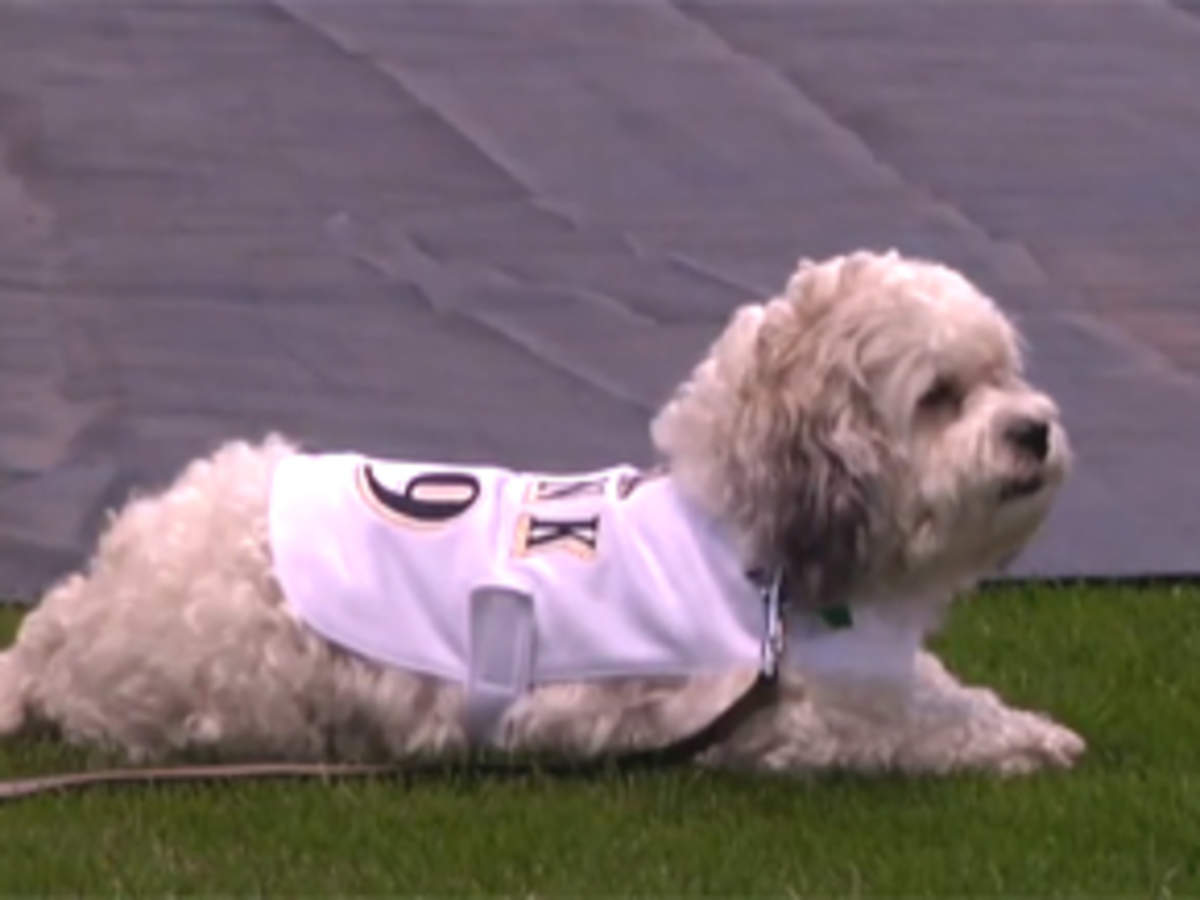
[
  {"x": 823, "y": 459},
  {"x": 827, "y": 515},
  {"x": 774, "y": 434}
]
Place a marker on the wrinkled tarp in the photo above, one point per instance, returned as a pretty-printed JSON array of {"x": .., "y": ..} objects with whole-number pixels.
[{"x": 501, "y": 231}]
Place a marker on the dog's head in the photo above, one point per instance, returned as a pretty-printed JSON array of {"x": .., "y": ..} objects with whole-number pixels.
[{"x": 872, "y": 423}]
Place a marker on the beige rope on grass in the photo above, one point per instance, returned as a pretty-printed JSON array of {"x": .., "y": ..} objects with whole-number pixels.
[{"x": 15, "y": 788}]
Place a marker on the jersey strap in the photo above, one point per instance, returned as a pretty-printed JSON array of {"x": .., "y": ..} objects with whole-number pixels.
[{"x": 500, "y": 657}]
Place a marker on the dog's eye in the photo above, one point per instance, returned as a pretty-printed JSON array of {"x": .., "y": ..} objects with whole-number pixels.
[{"x": 943, "y": 395}]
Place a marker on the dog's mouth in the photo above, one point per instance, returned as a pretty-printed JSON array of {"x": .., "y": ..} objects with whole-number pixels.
[{"x": 1016, "y": 488}]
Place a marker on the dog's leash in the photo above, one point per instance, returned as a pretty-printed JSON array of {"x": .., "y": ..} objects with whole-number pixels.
[
  {"x": 760, "y": 695},
  {"x": 15, "y": 788}
]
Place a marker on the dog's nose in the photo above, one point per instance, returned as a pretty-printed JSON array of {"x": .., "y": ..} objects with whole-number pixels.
[{"x": 1031, "y": 435}]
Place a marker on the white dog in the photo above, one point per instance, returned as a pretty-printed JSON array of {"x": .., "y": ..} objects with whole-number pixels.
[{"x": 848, "y": 457}]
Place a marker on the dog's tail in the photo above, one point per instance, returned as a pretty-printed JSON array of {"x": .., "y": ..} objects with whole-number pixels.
[{"x": 12, "y": 695}]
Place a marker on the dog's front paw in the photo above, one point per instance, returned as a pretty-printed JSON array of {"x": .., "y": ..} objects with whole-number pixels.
[{"x": 1029, "y": 741}]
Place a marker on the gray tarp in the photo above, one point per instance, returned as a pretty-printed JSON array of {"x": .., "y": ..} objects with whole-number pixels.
[{"x": 501, "y": 230}]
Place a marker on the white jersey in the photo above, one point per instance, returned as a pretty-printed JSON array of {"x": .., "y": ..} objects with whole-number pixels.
[{"x": 625, "y": 576}]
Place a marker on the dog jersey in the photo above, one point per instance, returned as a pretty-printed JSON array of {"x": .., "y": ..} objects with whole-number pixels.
[{"x": 622, "y": 575}]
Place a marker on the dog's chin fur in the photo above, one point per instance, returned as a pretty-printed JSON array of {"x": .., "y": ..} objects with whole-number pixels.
[{"x": 853, "y": 432}]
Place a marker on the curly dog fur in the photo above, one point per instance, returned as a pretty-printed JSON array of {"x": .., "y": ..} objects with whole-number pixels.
[{"x": 868, "y": 431}]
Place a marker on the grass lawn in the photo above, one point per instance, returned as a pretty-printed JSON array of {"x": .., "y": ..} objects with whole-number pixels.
[{"x": 1116, "y": 663}]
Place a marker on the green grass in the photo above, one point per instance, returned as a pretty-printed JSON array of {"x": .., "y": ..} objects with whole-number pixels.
[{"x": 1118, "y": 664}]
